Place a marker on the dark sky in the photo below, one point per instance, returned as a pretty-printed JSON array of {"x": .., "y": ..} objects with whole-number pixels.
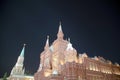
[{"x": 92, "y": 25}]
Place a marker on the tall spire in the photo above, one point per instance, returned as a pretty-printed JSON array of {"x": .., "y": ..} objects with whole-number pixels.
[
  {"x": 47, "y": 43},
  {"x": 60, "y": 27},
  {"x": 18, "y": 68},
  {"x": 60, "y": 34},
  {"x": 22, "y": 52}
]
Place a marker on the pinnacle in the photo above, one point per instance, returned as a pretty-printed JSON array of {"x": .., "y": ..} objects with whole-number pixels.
[
  {"x": 47, "y": 43},
  {"x": 60, "y": 34},
  {"x": 23, "y": 50}
]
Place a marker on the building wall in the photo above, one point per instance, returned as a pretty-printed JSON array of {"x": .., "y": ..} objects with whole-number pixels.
[
  {"x": 87, "y": 69},
  {"x": 60, "y": 61}
]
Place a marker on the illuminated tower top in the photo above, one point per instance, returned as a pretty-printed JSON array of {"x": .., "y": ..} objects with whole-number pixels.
[
  {"x": 18, "y": 68},
  {"x": 60, "y": 34},
  {"x": 47, "y": 43},
  {"x": 22, "y": 52}
]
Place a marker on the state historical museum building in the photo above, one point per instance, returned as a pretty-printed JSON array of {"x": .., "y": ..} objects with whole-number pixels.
[{"x": 60, "y": 61}]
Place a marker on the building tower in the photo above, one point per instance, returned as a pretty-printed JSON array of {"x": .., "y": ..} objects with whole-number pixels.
[
  {"x": 60, "y": 34},
  {"x": 52, "y": 57},
  {"x": 17, "y": 72},
  {"x": 61, "y": 61},
  {"x": 18, "y": 68}
]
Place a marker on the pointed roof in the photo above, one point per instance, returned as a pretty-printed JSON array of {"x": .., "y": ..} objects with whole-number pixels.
[
  {"x": 69, "y": 40},
  {"x": 60, "y": 27},
  {"x": 69, "y": 46},
  {"x": 60, "y": 32},
  {"x": 47, "y": 43},
  {"x": 22, "y": 52}
]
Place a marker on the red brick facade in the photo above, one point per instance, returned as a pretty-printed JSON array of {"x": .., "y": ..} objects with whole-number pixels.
[{"x": 60, "y": 61}]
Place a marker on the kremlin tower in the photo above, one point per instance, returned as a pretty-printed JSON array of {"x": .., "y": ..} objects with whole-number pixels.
[
  {"x": 18, "y": 72},
  {"x": 18, "y": 68}
]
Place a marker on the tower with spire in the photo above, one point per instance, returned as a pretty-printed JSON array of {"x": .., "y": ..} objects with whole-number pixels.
[
  {"x": 18, "y": 71},
  {"x": 60, "y": 34},
  {"x": 52, "y": 57},
  {"x": 18, "y": 68},
  {"x": 57, "y": 60}
]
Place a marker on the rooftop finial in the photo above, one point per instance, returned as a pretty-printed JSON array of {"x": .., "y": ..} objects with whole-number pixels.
[
  {"x": 47, "y": 43},
  {"x": 23, "y": 50},
  {"x": 60, "y": 27},
  {"x": 60, "y": 32},
  {"x": 48, "y": 39},
  {"x": 69, "y": 40},
  {"x": 24, "y": 45}
]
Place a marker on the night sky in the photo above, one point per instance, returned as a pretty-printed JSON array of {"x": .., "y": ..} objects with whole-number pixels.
[{"x": 92, "y": 25}]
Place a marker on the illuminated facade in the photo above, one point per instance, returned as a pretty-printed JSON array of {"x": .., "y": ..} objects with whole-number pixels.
[
  {"x": 60, "y": 61},
  {"x": 17, "y": 72}
]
